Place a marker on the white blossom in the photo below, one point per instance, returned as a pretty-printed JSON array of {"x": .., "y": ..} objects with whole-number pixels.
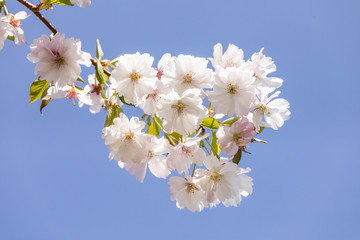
[
  {"x": 155, "y": 159},
  {"x": 133, "y": 76},
  {"x": 233, "y": 92},
  {"x": 58, "y": 59},
  {"x": 261, "y": 66},
  {"x": 4, "y": 30},
  {"x": 152, "y": 103},
  {"x": 223, "y": 182},
  {"x": 125, "y": 140},
  {"x": 233, "y": 57},
  {"x": 185, "y": 153},
  {"x": 82, "y": 3},
  {"x": 274, "y": 112},
  {"x": 187, "y": 72},
  {"x": 187, "y": 193},
  {"x": 184, "y": 113}
]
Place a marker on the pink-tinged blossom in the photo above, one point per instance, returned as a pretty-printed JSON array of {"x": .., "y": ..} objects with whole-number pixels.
[
  {"x": 187, "y": 72},
  {"x": 233, "y": 92},
  {"x": 165, "y": 64},
  {"x": 71, "y": 93},
  {"x": 187, "y": 152},
  {"x": 15, "y": 29},
  {"x": 184, "y": 113},
  {"x": 152, "y": 103},
  {"x": 274, "y": 112},
  {"x": 58, "y": 59},
  {"x": 223, "y": 182},
  {"x": 82, "y": 3},
  {"x": 155, "y": 159},
  {"x": 239, "y": 134},
  {"x": 187, "y": 193},
  {"x": 233, "y": 57},
  {"x": 134, "y": 76},
  {"x": 126, "y": 142}
]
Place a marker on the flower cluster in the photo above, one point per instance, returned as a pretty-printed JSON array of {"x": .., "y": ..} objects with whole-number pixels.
[
  {"x": 197, "y": 122},
  {"x": 183, "y": 101}
]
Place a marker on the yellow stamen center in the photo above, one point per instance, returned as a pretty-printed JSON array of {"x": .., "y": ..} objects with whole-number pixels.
[
  {"x": 135, "y": 76},
  {"x": 179, "y": 107},
  {"x": 215, "y": 177},
  {"x": 188, "y": 78},
  {"x": 232, "y": 89}
]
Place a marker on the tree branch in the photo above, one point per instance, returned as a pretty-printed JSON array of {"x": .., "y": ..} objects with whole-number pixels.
[{"x": 35, "y": 10}]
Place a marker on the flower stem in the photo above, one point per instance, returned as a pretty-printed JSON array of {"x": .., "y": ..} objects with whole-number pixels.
[
  {"x": 3, "y": 4},
  {"x": 167, "y": 135},
  {"x": 192, "y": 174}
]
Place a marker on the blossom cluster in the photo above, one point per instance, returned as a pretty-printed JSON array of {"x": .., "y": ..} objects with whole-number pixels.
[{"x": 197, "y": 122}]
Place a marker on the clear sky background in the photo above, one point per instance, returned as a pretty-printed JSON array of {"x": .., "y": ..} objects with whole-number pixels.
[{"x": 56, "y": 181}]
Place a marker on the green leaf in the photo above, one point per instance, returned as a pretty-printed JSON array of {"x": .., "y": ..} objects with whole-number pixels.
[
  {"x": 62, "y": 2},
  {"x": 36, "y": 89},
  {"x": 261, "y": 129},
  {"x": 210, "y": 122},
  {"x": 12, "y": 38},
  {"x": 99, "y": 72},
  {"x": 236, "y": 159},
  {"x": 154, "y": 129},
  {"x": 44, "y": 103},
  {"x": 99, "y": 51},
  {"x": 177, "y": 136},
  {"x": 230, "y": 121},
  {"x": 122, "y": 99},
  {"x": 113, "y": 112},
  {"x": 79, "y": 79},
  {"x": 215, "y": 148}
]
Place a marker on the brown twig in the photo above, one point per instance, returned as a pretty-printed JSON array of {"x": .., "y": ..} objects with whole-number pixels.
[{"x": 35, "y": 10}]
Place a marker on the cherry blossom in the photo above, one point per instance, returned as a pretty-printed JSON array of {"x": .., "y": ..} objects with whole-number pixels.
[
  {"x": 223, "y": 182},
  {"x": 134, "y": 77},
  {"x": 125, "y": 140},
  {"x": 82, "y": 3},
  {"x": 58, "y": 59},
  {"x": 233, "y": 57},
  {"x": 233, "y": 92},
  {"x": 187, "y": 193},
  {"x": 4, "y": 30},
  {"x": 155, "y": 159},
  {"x": 183, "y": 113},
  {"x": 275, "y": 112},
  {"x": 239, "y": 134},
  {"x": 187, "y": 152},
  {"x": 15, "y": 29},
  {"x": 188, "y": 72}
]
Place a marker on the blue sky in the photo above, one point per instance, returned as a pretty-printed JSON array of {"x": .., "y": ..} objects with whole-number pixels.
[{"x": 56, "y": 181}]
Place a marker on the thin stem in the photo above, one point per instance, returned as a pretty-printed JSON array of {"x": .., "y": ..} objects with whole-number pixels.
[
  {"x": 214, "y": 151},
  {"x": 6, "y": 12},
  {"x": 192, "y": 174},
  {"x": 168, "y": 136},
  {"x": 35, "y": 10}
]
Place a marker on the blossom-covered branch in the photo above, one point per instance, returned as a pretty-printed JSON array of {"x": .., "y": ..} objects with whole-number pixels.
[{"x": 197, "y": 122}]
